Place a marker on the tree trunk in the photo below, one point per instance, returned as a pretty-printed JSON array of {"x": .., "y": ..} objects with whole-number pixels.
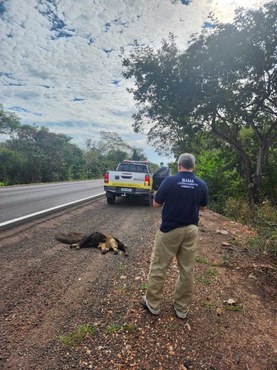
[{"x": 251, "y": 179}]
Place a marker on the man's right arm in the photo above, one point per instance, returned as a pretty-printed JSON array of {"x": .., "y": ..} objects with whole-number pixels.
[{"x": 156, "y": 204}]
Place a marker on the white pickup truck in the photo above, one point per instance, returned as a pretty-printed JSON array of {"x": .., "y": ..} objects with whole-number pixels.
[{"x": 131, "y": 179}]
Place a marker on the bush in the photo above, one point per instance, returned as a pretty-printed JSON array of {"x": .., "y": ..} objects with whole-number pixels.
[{"x": 262, "y": 218}]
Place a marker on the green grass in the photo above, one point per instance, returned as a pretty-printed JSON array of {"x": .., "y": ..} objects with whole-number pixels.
[
  {"x": 204, "y": 280},
  {"x": 124, "y": 288},
  {"x": 77, "y": 335},
  {"x": 237, "y": 308},
  {"x": 113, "y": 328},
  {"x": 172, "y": 326},
  {"x": 200, "y": 259},
  {"x": 208, "y": 305},
  {"x": 116, "y": 327},
  {"x": 144, "y": 286},
  {"x": 130, "y": 327},
  {"x": 122, "y": 266},
  {"x": 211, "y": 272}
]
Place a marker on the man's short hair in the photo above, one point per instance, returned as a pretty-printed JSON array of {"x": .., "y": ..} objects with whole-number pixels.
[{"x": 186, "y": 160}]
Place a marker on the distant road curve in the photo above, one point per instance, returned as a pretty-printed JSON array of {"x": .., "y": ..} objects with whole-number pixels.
[{"x": 18, "y": 204}]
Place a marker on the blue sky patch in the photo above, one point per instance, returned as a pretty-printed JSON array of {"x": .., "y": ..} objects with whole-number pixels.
[
  {"x": 107, "y": 26},
  {"x": 23, "y": 110},
  {"x": 7, "y": 74},
  {"x": 184, "y": 2},
  {"x": 208, "y": 25},
  {"x": 2, "y": 8},
  {"x": 108, "y": 50},
  {"x": 115, "y": 82},
  {"x": 78, "y": 99}
]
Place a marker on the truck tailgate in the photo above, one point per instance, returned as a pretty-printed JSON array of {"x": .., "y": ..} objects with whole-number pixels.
[{"x": 128, "y": 179}]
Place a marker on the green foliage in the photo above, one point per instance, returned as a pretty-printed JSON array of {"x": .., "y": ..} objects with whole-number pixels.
[
  {"x": 262, "y": 218},
  {"x": 138, "y": 155},
  {"x": 8, "y": 121},
  {"x": 204, "y": 280},
  {"x": 10, "y": 166},
  {"x": 77, "y": 336},
  {"x": 224, "y": 84},
  {"x": 144, "y": 286},
  {"x": 236, "y": 308},
  {"x": 200, "y": 259},
  {"x": 112, "y": 142},
  {"x": 113, "y": 328},
  {"x": 107, "y": 153},
  {"x": 131, "y": 328},
  {"x": 239, "y": 210},
  {"x": 35, "y": 154},
  {"x": 222, "y": 177}
]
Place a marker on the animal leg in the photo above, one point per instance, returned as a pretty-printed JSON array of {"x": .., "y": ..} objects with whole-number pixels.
[
  {"x": 113, "y": 245},
  {"x": 122, "y": 247},
  {"x": 104, "y": 248},
  {"x": 76, "y": 246}
]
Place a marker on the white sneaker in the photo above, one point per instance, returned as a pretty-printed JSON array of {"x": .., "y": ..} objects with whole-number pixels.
[
  {"x": 181, "y": 315},
  {"x": 145, "y": 304}
]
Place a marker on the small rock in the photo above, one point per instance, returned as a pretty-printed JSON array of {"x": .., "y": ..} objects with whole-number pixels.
[
  {"x": 230, "y": 301},
  {"x": 222, "y": 232}
]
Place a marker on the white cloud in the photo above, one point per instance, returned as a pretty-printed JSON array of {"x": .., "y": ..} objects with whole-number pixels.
[{"x": 59, "y": 63}]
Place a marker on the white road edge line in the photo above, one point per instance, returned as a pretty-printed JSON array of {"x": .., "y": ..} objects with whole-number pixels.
[{"x": 49, "y": 210}]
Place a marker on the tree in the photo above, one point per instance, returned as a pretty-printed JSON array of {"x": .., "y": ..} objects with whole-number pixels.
[
  {"x": 8, "y": 121},
  {"x": 111, "y": 141},
  {"x": 44, "y": 156},
  {"x": 108, "y": 152},
  {"x": 138, "y": 155},
  {"x": 223, "y": 83}
]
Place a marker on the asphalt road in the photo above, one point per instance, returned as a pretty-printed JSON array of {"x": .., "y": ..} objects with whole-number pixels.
[{"x": 21, "y": 201}]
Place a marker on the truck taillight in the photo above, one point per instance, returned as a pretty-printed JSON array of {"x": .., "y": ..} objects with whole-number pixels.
[
  {"x": 146, "y": 180},
  {"x": 106, "y": 177}
]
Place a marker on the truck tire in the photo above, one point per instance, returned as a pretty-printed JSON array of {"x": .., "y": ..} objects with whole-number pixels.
[
  {"x": 148, "y": 201},
  {"x": 111, "y": 200},
  {"x": 110, "y": 197}
]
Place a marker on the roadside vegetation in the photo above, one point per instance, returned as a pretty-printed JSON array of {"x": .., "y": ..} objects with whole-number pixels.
[
  {"x": 32, "y": 154},
  {"x": 215, "y": 98}
]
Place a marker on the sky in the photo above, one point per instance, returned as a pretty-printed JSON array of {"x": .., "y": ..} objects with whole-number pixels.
[{"x": 60, "y": 66}]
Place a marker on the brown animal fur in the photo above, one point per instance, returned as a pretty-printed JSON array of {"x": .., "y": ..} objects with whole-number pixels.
[{"x": 105, "y": 242}]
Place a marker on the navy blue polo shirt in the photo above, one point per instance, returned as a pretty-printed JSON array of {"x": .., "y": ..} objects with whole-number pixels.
[{"x": 181, "y": 196}]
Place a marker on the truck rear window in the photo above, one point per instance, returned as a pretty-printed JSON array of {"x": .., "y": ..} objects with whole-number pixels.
[{"x": 130, "y": 167}]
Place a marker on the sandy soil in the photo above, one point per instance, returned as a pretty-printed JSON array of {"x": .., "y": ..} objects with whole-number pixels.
[{"x": 50, "y": 293}]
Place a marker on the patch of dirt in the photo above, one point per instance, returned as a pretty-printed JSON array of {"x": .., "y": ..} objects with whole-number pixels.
[{"x": 49, "y": 291}]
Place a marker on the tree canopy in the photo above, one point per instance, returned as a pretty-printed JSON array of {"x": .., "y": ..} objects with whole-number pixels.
[
  {"x": 8, "y": 121},
  {"x": 33, "y": 154},
  {"x": 223, "y": 84}
]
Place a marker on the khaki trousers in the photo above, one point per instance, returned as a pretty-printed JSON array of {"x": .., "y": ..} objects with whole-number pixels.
[{"x": 182, "y": 243}]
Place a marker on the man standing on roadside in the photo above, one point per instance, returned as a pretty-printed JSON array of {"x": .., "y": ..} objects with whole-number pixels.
[{"x": 181, "y": 196}]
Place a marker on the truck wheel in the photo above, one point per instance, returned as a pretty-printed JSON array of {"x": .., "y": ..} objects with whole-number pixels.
[
  {"x": 148, "y": 201},
  {"x": 111, "y": 200}
]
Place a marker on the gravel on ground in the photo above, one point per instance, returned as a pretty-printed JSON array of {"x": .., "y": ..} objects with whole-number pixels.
[{"x": 64, "y": 308}]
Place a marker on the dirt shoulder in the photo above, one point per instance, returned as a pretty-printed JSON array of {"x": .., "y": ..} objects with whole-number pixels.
[{"x": 50, "y": 293}]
